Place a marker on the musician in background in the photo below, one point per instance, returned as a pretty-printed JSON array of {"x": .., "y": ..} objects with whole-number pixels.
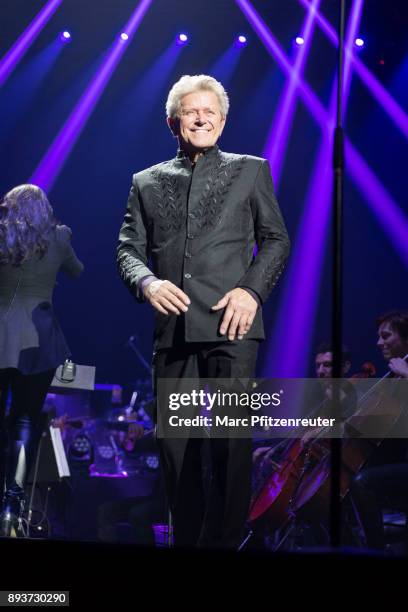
[
  {"x": 324, "y": 361},
  {"x": 315, "y": 400},
  {"x": 269, "y": 459},
  {"x": 383, "y": 483},
  {"x": 33, "y": 248}
]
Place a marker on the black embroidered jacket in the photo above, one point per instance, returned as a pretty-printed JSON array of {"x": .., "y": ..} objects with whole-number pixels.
[{"x": 198, "y": 229}]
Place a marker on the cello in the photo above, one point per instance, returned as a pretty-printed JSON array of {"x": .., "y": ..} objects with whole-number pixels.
[{"x": 300, "y": 481}]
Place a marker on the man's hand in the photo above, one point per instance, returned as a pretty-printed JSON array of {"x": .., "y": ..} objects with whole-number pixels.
[
  {"x": 399, "y": 367},
  {"x": 309, "y": 436},
  {"x": 166, "y": 297},
  {"x": 240, "y": 312},
  {"x": 264, "y": 457}
]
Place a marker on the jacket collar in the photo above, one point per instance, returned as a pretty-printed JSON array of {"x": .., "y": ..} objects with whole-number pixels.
[{"x": 210, "y": 153}]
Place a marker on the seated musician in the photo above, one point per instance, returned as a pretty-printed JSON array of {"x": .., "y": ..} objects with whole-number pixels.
[
  {"x": 383, "y": 482},
  {"x": 273, "y": 460},
  {"x": 320, "y": 393}
]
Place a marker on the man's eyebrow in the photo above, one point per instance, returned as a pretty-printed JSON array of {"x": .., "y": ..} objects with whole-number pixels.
[{"x": 195, "y": 108}]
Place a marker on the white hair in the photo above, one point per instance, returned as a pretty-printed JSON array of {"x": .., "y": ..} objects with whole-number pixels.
[{"x": 188, "y": 84}]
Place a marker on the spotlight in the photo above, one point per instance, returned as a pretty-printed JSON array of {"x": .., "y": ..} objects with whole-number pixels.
[
  {"x": 359, "y": 42},
  {"x": 81, "y": 445},
  {"x": 81, "y": 450},
  {"x": 182, "y": 39},
  {"x": 124, "y": 36},
  {"x": 241, "y": 40},
  {"x": 152, "y": 462},
  {"x": 299, "y": 41},
  {"x": 65, "y": 36}
]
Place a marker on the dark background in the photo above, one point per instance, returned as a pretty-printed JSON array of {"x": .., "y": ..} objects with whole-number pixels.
[{"x": 127, "y": 132}]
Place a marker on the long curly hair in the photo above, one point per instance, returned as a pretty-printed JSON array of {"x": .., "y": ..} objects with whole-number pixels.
[{"x": 27, "y": 223}]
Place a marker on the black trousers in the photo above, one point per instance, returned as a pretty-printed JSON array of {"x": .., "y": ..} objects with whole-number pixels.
[
  {"x": 20, "y": 433},
  {"x": 215, "y": 518}
]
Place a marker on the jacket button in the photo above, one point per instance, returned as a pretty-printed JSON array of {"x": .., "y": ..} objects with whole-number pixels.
[
  {"x": 191, "y": 215},
  {"x": 188, "y": 255},
  {"x": 187, "y": 275},
  {"x": 190, "y": 236}
]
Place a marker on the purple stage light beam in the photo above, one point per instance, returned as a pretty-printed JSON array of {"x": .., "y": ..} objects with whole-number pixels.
[
  {"x": 391, "y": 218},
  {"x": 225, "y": 66},
  {"x": 295, "y": 326},
  {"x": 366, "y": 181},
  {"x": 395, "y": 222},
  {"x": 352, "y": 29},
  {"x": 378, "y": 91},
  {"x": 21, "y": 46},
  {"x": 274, "y": 49},
  {"x": 277, "y": 140},
  {"x": 24, "y": 84},
  {"x": 53, "y": 161},
  {"x": 147, "y": 89},
  {"x": 297, "y": 309}
]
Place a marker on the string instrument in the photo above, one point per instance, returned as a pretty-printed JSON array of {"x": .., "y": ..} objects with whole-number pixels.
[
  {"x": 301, "y": 480},
  {"x": 64, "y": 421},
  {"x": 271, "y": 502},
  {"x": 375, "y": 406}
]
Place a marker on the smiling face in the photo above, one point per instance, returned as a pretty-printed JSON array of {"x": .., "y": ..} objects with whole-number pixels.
[
  {"x": 200, "y": 122},
  {"x": 390, "y": 342}
]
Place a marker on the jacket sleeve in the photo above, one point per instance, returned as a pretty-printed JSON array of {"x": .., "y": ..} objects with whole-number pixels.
[
  {"x": 70, "y": 263},
  {"x": 271, "y": 237},
  {"x": 132, "y": 255}
]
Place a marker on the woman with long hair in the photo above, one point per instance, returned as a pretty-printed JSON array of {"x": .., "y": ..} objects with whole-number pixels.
[{"x": 33, "y": 248}]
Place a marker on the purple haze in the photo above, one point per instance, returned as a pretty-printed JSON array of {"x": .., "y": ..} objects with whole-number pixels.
[
  {"x": 22, "y": 44},
  {"x": 51, "y": 164}
]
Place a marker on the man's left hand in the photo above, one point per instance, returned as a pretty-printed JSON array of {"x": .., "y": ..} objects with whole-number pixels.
[{"x": 240, "y": 312}]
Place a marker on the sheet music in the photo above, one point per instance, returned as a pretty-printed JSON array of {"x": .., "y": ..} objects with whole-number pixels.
[{"x": 59, "y": 450}]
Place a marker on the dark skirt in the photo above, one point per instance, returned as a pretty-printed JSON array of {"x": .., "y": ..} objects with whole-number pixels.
[{"x": 31, "y": 339}]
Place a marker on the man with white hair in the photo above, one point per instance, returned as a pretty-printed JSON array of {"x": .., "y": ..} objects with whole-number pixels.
[{"x": 187, "y": 247}]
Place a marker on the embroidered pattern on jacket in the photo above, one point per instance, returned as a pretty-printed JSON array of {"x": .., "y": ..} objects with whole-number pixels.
[
  {"x": 220, "y": 179},
  {"x": 171, "y": 210},
  {"x": 272, "y": 271},
  {"x": 128, "y": 267}
]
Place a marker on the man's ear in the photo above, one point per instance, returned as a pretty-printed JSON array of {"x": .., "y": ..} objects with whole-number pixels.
[{"x": 173, "y": 125}]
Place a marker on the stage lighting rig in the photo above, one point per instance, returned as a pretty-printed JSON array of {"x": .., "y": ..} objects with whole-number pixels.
[
  {"x": 65, "y": 36},
  {"x": 182, "y": 38}
]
